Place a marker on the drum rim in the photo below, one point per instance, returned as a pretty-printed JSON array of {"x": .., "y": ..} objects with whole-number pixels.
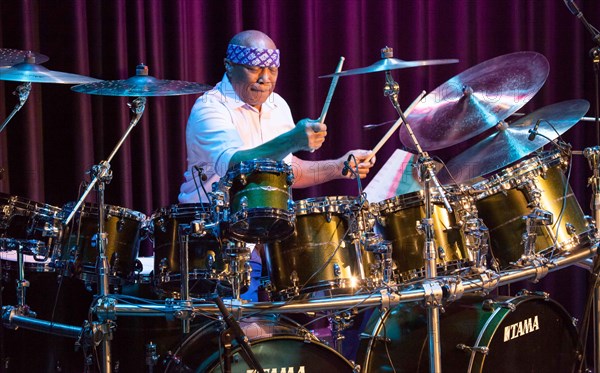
[
  {"x": 526, "y": 168},
  {"x": 247, "y": 167},
  {"x": 22, "y": 203},
  {"x": 258, "y": 340},
  {"x": 174, "y": 211},
  {"x": 326, "y": 204},
  {"x": 91, "y": 209}
]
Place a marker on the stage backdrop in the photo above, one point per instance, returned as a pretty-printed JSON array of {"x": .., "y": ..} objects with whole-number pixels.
[{"x": 53, "y": 141}]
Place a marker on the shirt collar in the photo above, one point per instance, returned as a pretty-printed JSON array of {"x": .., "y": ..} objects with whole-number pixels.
[{"x": 234, "y": 101}]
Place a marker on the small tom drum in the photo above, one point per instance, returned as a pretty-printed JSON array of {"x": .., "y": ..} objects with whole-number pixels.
[
  {"x": 205, "y": 256},
  {"x": 33, "y": 226},
  {"x": 260, "y": 203},
  {"x": 125, "y": 229}
]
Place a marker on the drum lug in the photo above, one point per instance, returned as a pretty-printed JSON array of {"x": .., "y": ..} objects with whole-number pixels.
[
  {"x": 480, "y": 349},
  {"x": 525, "y": 292},
  {"x": 337, "y": 271},
  {"x": 121, "y": 224},
  {"x": 490, "y": 305}
]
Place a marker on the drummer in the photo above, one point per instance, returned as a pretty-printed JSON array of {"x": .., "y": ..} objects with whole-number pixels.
[{"x": 242, "y": 119}]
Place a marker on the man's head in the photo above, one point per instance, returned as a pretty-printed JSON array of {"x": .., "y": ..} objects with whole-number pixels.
[{"x": 252, "y": 64}]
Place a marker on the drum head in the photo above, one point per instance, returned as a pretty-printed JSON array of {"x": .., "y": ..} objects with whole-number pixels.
[{"x": 537, "y": 336}]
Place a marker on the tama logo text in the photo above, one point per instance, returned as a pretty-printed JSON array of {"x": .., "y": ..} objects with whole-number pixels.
[
  {"x": 521, "y": 328},
  {"x": 280, "y": 370}
]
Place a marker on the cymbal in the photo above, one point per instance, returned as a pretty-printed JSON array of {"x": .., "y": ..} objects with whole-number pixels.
[
  {"x": 33, "y": 73},
  {"x": 476, "y": 100},
  {"x": 511, "y": 142},
  {"x": 141, "y": 85},
  {"x": 9, "y": 57},
  {"x": 390, "y": 63}
]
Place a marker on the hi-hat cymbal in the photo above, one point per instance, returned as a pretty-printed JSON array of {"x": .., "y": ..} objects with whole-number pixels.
[
  {"x": 476, "y": 100},
  {"x": 33, "y": 73},
  {"x": 9, "y": 57},
  {"x": 141, "y": 85},
  {"x": 511, "y": 142}
]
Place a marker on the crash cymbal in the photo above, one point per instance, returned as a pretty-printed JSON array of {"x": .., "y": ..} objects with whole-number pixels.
[
  {"x": 9, "y": 57},
  {"x": 476, "y": 100},
  {"x": 33, "y": 73},
  {"x": 389, "y": 63},
  {"x": 512, "y": 141},
  {"x": 141, "y": 85}
]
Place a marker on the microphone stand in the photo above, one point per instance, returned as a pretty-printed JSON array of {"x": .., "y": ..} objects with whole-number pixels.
[
  {"x": 237, "y": 333},
  {"x": 434, "y": 292},
  {"x": 102, "y": 176}
]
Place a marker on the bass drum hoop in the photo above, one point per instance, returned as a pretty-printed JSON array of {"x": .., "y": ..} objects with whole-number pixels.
[
  {"x": 214, "y": 328},
  {"x": 486, "y": 333}
]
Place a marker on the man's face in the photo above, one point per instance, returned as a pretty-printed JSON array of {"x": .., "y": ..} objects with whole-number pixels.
[{"x": 252, "y": 83}]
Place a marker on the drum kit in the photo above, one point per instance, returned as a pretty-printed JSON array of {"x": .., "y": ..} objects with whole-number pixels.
[{"x": 419, "y": 267}]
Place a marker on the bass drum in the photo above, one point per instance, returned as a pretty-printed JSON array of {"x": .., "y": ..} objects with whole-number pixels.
[
  {"x": 520, "y": 334},
  {"x": 201, "y": 352}
]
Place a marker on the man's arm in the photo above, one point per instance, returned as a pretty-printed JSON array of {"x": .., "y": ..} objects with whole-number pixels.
[
  {"x": 309, "y": 173},
  {"x": 302, "y": 137}
]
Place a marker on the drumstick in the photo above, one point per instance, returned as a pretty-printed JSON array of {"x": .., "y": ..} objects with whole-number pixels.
[
  {"x": 330, "y": 94},
  {"x": 331, "y": 89},
  {"x": 394, "y": 127}
]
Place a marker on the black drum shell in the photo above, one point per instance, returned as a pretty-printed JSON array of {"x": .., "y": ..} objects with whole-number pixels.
[
  {"x": 167, "y": 254},
  {"x": 124, "y": 229}
]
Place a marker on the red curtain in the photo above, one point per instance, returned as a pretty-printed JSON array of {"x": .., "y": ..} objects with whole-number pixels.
[{"x": 49, "y": 145}]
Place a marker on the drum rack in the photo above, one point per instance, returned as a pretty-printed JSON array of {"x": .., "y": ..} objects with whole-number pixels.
[{"x": 108, "y": 307}]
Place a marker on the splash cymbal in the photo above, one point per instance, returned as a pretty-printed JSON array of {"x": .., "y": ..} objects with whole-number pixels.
[
  {"x": 10, "y": 57},
  {"x": 476, "y": 100},
  {"x": 141, "y": 85},
  {"x": 514, "y": 141},
  {"x": 34, "y": 73}
]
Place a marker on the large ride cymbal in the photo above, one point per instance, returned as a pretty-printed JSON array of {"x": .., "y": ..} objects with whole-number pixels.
[
  {"x": 511, "y": 143},
  {"x": 476, "y": 100},
  {"x": 33, "y": 73},
  {"x": 10, "y": 57},
  {"x": 141, "y": 85}
]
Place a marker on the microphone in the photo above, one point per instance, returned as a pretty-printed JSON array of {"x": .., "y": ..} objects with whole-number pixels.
[
  {"x": 347, "y": 167},
  {"x": 533, "y": 132},
  {"x": 572, "y": 7},
  {"x": 201, "y": 173}
]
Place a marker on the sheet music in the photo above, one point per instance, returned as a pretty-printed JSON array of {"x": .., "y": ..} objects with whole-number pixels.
[{"x": 397, "y": 176}]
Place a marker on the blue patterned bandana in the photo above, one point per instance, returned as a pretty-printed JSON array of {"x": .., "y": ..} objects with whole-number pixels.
[{"x": 261, "y": 57}]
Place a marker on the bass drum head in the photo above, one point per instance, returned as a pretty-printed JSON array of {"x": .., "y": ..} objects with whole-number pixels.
[
  {"x": 537, "y": 336},
  {"x": 203, "y": 352}
]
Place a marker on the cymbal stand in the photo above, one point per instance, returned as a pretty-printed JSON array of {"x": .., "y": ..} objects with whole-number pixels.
[
  {"x": 427, "y": 174},
  {"x": 102, "y": 176},
  {"x": 22, "y": 91},
  {"x": 593, "y": 157}
]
